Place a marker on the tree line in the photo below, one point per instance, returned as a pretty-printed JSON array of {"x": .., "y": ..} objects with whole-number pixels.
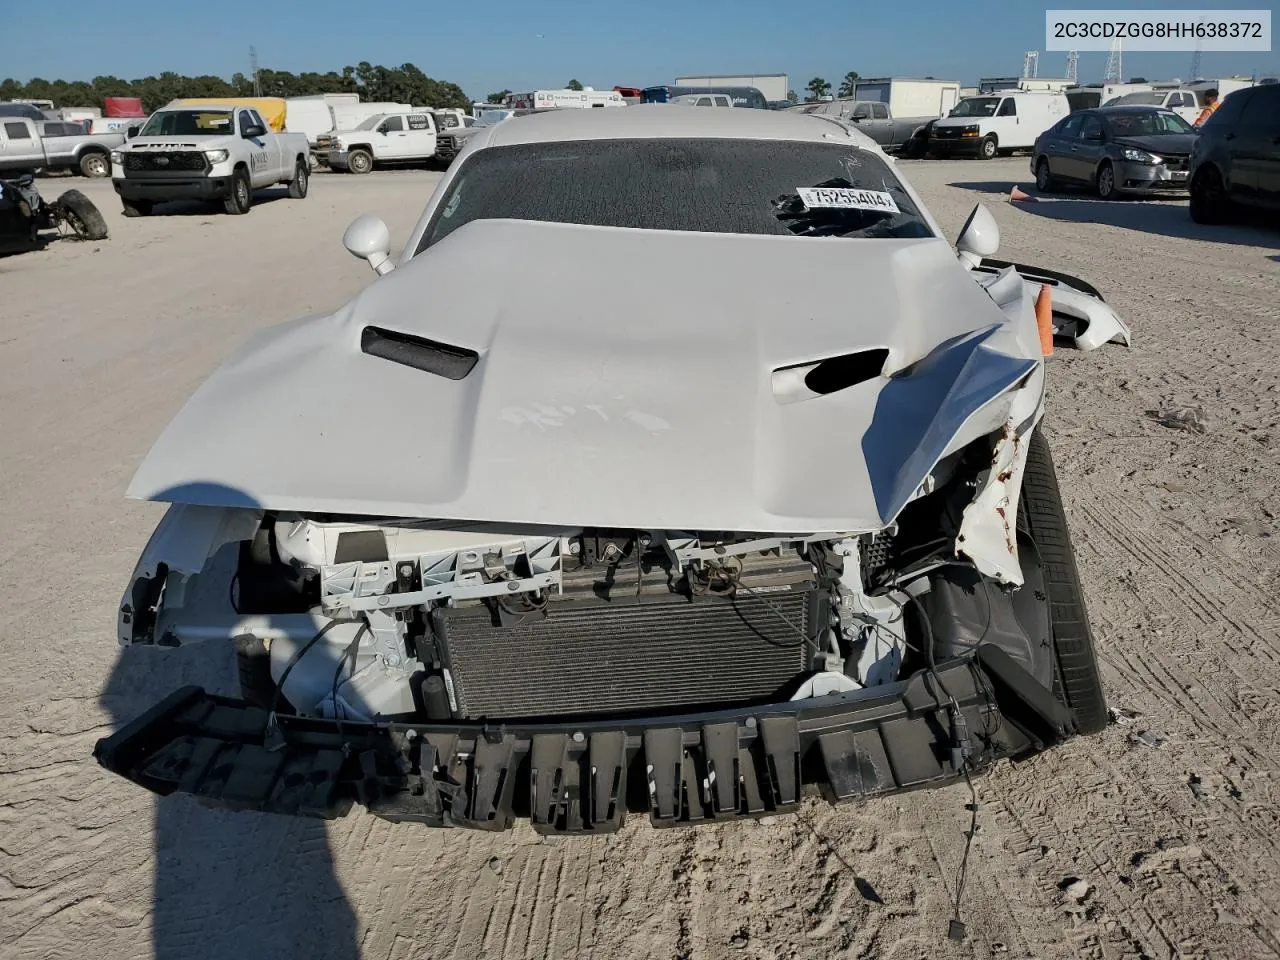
[
  {"x": 376, "y": 83},
  {"x": 819, "y": 88}
]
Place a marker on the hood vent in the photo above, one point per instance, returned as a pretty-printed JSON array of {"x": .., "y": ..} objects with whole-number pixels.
[
  {"x": 442, "y": 359},
  {"x": 822, "y": 377}
]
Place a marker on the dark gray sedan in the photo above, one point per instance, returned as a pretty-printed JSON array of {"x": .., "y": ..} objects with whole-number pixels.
[{"x": 1130, "y": 150}]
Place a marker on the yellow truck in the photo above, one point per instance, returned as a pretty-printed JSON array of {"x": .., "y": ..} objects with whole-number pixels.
[{"x": 271, "y": 109}]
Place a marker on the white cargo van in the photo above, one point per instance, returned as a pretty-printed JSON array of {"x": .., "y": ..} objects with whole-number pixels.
[
  {"x": 313, "y": 115},
  {"x": 996, "y": 123}
]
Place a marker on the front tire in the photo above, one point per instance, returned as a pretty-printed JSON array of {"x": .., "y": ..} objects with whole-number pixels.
[
  {"x": 1106, "y": 182},
  {"x": 360, "y": 161},
  {"x": 1209, "y": 203},
  {"x": 95, "y": 165},
  {"x": 1076, "y": 681},
  {"x": 240, "y": 199},
  {"x": 1044, "y": 179},
  {"x": 988, "y": 148},
  {"x": 301, "y": 178},
  {"x": 82, "y": 216}
]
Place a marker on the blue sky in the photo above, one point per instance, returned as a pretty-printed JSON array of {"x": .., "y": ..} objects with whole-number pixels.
[{"x": 497, "y": 44}]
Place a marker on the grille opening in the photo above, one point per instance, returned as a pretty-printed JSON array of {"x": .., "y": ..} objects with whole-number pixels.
[
  {"x": 442, "y": 359},
  {"x": 593, "y": 661}
]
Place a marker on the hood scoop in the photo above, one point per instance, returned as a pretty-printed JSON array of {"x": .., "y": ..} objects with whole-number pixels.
[
  {"x": 442, "y": 359},
  {"x": 819, "y": 378}
]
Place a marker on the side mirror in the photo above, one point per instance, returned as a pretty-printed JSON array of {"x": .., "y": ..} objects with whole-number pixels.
[
  {"x": 979, "y": 237},
  {"x": 369, "y": 239},
  {"x": 131, "y": 132},
  {"x": 253, "y": 131}
]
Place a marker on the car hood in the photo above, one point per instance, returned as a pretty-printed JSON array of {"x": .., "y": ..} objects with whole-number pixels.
[
  {"x": 622, "y": 378},
  {"x": 1170, "y": 144}
]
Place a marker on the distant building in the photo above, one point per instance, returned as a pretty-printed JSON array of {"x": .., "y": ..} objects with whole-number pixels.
[{"x": 772, "y": 85}]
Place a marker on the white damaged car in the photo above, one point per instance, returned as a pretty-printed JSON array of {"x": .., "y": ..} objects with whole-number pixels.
[{"x": 679, "y": 464}]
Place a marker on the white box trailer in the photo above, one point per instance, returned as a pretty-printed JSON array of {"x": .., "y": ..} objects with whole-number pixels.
[
  {"x": 561, "y": 99},
  {"x": 772, "y": 85},
  {"x": 910, "y": 96},
  {"x": 349, "y": 115},
  {"x": 1224, "y": 85}
]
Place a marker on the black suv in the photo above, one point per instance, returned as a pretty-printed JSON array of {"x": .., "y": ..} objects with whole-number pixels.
[{"x": 1236, "y": 159}]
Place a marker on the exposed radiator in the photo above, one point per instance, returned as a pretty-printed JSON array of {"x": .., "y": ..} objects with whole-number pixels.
[{"x": 596, "y": 659}]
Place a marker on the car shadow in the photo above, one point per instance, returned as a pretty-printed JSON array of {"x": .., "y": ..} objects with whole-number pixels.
[
  {"x": 202, "y": 208},
  {"x": 1169, "y": 218},
  {"x": 228, "y": 884}
]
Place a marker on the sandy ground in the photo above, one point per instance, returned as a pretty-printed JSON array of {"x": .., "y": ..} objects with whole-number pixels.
[{"x": 1177, "y": 844}]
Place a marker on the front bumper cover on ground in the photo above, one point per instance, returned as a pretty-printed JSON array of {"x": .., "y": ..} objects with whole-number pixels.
[{"x": 574, "y": 778}]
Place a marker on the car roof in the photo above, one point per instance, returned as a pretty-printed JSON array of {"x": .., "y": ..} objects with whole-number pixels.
[
  {"x": 660, "y": 121},
  {"x": 1131, "y": 108}
]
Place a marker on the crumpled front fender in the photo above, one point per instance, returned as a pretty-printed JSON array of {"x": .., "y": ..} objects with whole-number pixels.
[{"x": 1080, "y": 313}]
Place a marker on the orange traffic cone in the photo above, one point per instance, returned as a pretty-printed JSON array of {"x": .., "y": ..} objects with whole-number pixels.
[
  {"x": 1019, "y": 195},
  {"x": 1044, "y": 319}
]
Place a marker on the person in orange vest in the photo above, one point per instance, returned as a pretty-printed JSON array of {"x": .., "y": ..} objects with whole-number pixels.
[{"x": 1210, "y": 105}]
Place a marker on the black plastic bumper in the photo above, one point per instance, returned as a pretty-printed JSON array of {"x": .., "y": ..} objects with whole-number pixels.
[
  {"x": 955, "y": 147},
  {"x": 584, "y": 778},
  {"x": 158, "y": 191}
]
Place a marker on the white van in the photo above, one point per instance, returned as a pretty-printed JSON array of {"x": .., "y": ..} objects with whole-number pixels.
[{"x": 996, "y": 123}]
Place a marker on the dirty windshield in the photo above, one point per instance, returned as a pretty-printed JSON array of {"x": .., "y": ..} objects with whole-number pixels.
[
  {"x": 976, "y": 107},
  {"x": 188, "y": 123},
  {"x": 1145, "y": 123},
  {"x": 707, "y": 186}
]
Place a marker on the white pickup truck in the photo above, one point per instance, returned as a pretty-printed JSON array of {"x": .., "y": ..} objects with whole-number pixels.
[
  {"x": 386, "y": 138},
  {"x": 29, "y": 145},
  {"x": 206, "y": 152}
]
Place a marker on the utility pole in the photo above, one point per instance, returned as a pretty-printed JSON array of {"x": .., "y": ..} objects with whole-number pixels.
[
  {"x": 253, "y": 66},
  {"x": 1073, "y": 65}
]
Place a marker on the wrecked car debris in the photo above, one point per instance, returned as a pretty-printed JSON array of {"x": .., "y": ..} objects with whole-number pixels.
[{"x": 503, "y": 553}]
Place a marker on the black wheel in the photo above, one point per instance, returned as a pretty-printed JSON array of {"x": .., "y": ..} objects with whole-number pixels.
[
  {"x": 1106, "y": 181},
  {"x": 136, "y": 208},
  {"x": 257, "y": 686},
  {"x": 1209, "y": 202},
  {"x": 241, "y": 197},
  {"x": 301, "y": 178},
  {"x": 82, "y": 216},
  {"x": 95, "y": 165},
  {"x": 1044, "y": 179},
  {"x": 1076, "y": 680},
  {"x": 360, "y": 161},
  {"x": 987, "y": 149}
]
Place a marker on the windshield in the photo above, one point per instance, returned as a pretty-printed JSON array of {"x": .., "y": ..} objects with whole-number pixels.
[
  {"x": 1150, "y": 99},
  {"x": 188, "y": 123},
  {"x": 1146, "y": 123},
  {"x": 976, "y": 107},
  {"x": 368, "y": 123},
  {"x": 446, "y": 121},
  {"x": 707, "y": 186},
  {"x": 493, "y": 117}
]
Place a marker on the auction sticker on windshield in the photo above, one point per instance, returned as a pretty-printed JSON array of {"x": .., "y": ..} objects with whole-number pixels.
[{"x": 846, "y": 198}]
